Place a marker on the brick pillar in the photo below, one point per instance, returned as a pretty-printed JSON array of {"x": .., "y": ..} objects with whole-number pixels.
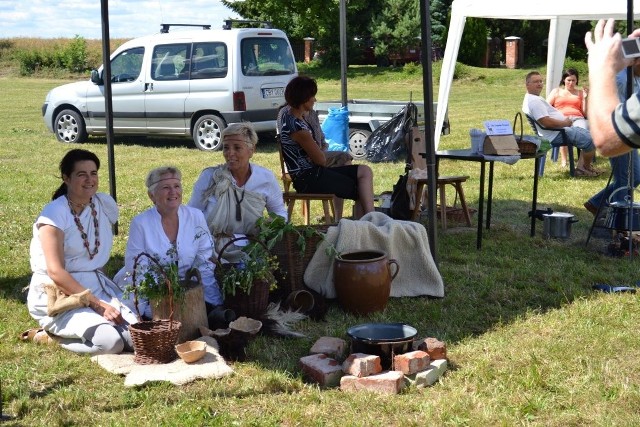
[
  {"x": 513, "y": 52},
  {"x": 308, "y": 52}
]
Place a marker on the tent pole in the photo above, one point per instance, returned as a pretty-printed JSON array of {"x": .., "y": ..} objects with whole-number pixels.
[
  {"x": 343, "y": 51},
  {"x": 430, "y": 154},
  {"x": 108, "y": 105}
]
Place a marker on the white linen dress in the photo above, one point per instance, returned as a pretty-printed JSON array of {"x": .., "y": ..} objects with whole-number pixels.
[{"x": 75, "y": 323}]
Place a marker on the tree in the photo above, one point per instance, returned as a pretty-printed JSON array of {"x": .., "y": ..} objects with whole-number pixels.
[
  {"x": 396, "y": 27},
  {"x": 317, "y": 19}
]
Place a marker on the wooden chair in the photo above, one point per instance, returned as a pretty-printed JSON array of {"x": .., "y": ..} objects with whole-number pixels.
[
  {"x": 455, "y": 181},
  {"x": 554, "y": 152},
  {"x": 290, "y": 197}
]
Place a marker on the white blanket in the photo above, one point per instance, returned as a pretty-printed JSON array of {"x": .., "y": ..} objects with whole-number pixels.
[
  {"x": 405, "y": 241},
  {"x": 212, "y": 365}
]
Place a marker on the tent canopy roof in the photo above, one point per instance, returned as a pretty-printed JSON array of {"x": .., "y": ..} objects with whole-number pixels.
[{"x": 560, "y": 15}]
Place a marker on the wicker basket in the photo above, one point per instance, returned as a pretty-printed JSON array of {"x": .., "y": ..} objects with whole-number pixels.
[
  {"x": 154, "y": 341},
  {"x": 525, "y": 147},
  {"x": 254, "y": 304},
  {"x": 292, "y": 261}
]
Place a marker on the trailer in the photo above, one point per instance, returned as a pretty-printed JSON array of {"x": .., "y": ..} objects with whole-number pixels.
[{"x": 365, "y": 115}]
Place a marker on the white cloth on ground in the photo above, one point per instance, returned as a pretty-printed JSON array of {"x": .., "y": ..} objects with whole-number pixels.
[{"x": 405, "y": 241}]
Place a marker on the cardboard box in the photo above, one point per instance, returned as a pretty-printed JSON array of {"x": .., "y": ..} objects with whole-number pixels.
[{"x": 500, "y": 145}]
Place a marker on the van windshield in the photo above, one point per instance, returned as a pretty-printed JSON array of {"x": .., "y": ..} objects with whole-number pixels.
[{"x": 266, "y": 56}]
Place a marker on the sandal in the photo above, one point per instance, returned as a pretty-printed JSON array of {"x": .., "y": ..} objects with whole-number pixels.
[
  {"x": 586, "y": 173},
  {"x": 29, "y": 334}
]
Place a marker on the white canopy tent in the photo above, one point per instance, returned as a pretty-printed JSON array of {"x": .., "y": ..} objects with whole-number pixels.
[{"x": 560, "y": 15}]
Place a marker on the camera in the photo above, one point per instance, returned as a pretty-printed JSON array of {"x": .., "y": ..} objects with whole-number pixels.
[{"x": 631, "y": 48}]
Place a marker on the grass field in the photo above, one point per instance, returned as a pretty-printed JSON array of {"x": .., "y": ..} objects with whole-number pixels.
[{"x": 529, "y": 342}]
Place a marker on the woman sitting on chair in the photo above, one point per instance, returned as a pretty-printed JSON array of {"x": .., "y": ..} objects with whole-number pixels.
[{"x": 306, "y": 161}]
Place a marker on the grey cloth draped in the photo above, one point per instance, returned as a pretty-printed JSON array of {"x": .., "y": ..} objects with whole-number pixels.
[{"x": 236, "y": 212}]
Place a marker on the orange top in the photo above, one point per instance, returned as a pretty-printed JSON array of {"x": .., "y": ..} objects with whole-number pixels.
[{"x": 567, "y": 103}]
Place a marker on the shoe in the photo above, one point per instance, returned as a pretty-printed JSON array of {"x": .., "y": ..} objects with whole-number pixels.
[
  {"x": 594, "y": 170},
  {"x": 586, "y": 173},
  {"x": 591, "y": 207}
]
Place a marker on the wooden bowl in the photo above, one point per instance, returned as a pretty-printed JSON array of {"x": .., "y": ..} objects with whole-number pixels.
[{"x": 191, "y": 351}]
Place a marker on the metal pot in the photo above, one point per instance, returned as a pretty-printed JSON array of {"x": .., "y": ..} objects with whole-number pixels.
[
  {"x": 382, "y": 339},
  {"x": 557, "y": 225},
  {"x": 619, "y": 212},
  {"x": 618, "y": 216}
]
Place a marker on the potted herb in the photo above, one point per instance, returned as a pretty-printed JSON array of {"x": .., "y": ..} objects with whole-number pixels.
[{"x": 246, "y": 284}]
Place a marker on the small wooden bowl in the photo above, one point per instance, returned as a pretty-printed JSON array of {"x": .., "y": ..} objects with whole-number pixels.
[{"x": 191, "y": 351}]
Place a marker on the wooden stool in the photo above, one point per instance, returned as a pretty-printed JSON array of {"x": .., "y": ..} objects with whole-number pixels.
[
  {"x": 456, "y": 182},
  {"x": 328, "y": 205}
]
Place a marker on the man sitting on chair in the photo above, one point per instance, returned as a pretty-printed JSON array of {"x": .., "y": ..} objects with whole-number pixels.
[{"x": 545, "y": 115}]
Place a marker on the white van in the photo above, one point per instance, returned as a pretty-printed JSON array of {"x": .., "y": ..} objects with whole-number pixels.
[{"x": 181, "y": 83}]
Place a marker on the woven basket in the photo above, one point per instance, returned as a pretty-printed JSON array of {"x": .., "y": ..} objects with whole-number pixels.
[
  {"x": 525, "y": 147},
  {"x": 292, "y": 261},
  {"x": 154, "y": 341},
  {"x": 254, "y": 304}
]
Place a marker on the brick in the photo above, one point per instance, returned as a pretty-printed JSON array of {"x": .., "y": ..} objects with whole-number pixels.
[
  {"x": 440, "y": 364},
  {"x": 411, "y": 362},
  {"x": 332, "y": 347},
  {"x": 388, "y": 382},
  {"x": 434, "y": 347},
  {"x": 425, "y": 378},
  {"x": 321, "y": 369},
  {"x": 362, "y": 365}
]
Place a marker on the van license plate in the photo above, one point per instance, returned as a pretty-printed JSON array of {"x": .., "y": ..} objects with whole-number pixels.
[{"x": 273, "y": 92}]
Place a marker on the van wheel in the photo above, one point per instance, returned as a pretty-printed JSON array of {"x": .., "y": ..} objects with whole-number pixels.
[
  {"x": 207, "y": 133},
  {"x": 70, "y": 127},
  {"x": 358, "y": 143}
]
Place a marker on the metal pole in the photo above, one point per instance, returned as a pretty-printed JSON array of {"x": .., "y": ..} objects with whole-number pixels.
[
  {"x": 630, "y": 177},
  {"x": 430, "y": 154},
  {"x": 343, "y": 51},
  {"x": 108, "y": 106}
]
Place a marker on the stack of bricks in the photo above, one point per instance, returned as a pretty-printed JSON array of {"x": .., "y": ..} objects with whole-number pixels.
[{"x": 327, "y": 366}]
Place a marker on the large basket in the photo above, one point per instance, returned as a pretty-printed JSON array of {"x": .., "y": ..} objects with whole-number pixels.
[
  {"x": 154, "y": 341},
  {"x": 292, "y": 261},
  {"x": 254, "y": 304},
  {"x": 525, "y": 147}
]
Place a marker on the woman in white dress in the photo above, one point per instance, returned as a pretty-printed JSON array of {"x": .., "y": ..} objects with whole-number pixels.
[
  {"x": 72, "y": 240},
  {"x": 172, "y": 232},
  {"x": 235, "y": 194}
]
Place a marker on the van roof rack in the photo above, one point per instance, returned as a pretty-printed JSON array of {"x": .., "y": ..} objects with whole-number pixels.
[
  {"x": 164, "y": 28},
  {"x": 228, "y": 23}
]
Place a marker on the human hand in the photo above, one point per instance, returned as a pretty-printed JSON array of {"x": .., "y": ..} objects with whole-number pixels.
[
  {"x": 108, "y": 312},
  {"x": 605, "y": 48}
]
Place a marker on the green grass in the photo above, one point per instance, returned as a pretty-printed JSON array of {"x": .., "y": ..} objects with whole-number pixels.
[{"x": 529, "y": 342}]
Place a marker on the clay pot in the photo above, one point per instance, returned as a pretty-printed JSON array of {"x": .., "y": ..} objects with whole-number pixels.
[{"x": 363, "y": 280}]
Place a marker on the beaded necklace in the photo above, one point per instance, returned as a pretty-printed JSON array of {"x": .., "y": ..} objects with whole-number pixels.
[{"x": 84, "y": 236}]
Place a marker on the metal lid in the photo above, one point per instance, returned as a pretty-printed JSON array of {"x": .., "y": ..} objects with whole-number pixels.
[{"x": 559, "y": 215}]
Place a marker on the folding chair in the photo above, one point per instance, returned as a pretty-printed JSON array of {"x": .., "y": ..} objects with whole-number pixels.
[{"x": 554, "y": 153}]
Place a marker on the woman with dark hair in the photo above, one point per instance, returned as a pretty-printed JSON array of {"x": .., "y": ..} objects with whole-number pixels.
[
  {"x": 75, "y": 304},
  {"x": 570, "y": 101},
  {"x": 306, "y": 161}
]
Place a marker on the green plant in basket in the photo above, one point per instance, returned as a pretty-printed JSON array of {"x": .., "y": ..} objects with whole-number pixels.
[
  {"x": 153, "y": 276},
  {"x": 272, "y": 229},
  {"x": 257, "y": 264}
]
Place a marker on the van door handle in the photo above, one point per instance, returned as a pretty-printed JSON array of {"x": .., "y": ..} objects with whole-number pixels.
[{"x": 148, "y": 87}]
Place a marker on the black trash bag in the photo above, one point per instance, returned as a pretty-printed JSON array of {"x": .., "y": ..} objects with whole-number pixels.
[{"x": 389, "y": 142}]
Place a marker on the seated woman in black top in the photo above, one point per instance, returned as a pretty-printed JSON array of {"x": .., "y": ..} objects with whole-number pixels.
[{"x": 305, "y": 160}]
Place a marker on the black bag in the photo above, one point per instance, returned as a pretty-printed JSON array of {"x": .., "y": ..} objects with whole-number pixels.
[
  {"x": 388, "y": 142},
  {"x": 400, "y": 204}
]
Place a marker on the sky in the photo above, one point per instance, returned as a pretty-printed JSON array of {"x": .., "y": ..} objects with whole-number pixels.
[{"x": 127, "y": 18}]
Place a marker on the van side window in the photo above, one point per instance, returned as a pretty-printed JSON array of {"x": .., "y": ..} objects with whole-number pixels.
[
  {"x": 127, "y": 65},
  {"x": 266, "y": 56},
  {"x": 170, "y": 62},
  {"x": 209, "y": 60}
]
